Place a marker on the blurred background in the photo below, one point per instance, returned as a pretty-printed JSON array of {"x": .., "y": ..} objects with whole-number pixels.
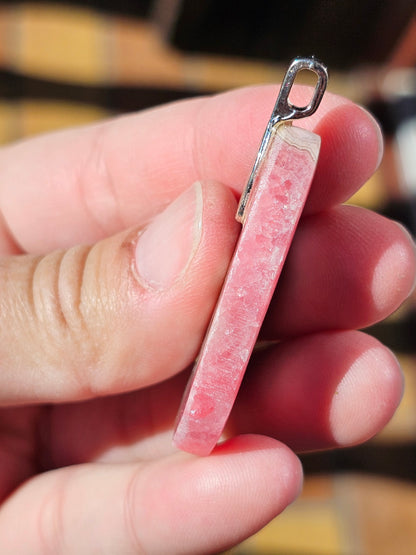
[{"x": 68, "y": 63}]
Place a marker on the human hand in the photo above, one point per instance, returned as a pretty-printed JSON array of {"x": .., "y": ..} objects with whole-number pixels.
[{"x": 96, "y": 341}]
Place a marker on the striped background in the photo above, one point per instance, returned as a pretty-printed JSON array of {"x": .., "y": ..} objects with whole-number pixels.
[{"x": 65, "y": 65}]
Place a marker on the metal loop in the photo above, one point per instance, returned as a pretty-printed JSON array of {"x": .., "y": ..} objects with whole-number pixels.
[{"x": 284, "y": 110}]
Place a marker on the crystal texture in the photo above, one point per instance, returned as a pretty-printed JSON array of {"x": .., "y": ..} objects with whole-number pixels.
[{"x": 273, "y": 210}]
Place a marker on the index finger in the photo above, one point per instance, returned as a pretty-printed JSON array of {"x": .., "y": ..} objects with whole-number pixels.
[{"x": 83, "y": 184}]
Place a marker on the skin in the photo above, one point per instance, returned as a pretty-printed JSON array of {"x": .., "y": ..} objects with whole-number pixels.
[{"x": 95, "y": 355}]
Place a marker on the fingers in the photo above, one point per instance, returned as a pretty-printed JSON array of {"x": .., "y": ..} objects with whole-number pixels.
[
  {"x": 324, "y": 390},
  {"x": 347, "y": 268},
  {"x": 181, "y": 504},
  {"x": 132, "y": 309},
  {"x": 129, "y": 311},
  {"x": 351, "y": 149},
  {"x": 84, "y": 184}
]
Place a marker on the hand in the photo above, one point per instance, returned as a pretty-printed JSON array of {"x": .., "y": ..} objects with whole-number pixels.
[{"x": 96, "y": 341}]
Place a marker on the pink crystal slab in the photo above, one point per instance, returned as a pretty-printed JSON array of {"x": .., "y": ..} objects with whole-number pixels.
[{"x": 273, "y": 210}]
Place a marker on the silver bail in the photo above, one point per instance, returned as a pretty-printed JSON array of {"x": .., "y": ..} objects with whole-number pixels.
[{"x": 284, "y": 110}]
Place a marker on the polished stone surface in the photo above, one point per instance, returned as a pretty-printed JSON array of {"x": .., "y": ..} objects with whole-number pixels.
[{"x": 273, "y": 211}]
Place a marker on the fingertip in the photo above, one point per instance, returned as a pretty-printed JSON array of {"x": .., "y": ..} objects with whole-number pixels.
[
  {"x": 367, "y": 396},
  {"x": 351, "y": 151},
  {"x": 283, "y": 461},
  {"x": 246, "y": 482},
  {"x": 394, "y": 273},
  {"x": 326, "y": 390}
]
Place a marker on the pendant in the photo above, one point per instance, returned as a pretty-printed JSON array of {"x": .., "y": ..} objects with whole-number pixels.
[{"x": 269, "y": 210}]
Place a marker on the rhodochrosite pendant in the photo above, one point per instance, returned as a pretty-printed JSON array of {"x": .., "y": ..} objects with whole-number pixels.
[{"x": 269, "y": 210}]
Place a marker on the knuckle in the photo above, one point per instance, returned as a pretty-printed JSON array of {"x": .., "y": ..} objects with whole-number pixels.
[
  {"x": 65, "y": 315},
  {"x": 66, "y": 323},
  {"x": 56, "y": 286}
]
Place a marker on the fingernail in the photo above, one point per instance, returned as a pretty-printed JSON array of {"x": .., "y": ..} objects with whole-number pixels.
[{"x": 166, "y": 247}]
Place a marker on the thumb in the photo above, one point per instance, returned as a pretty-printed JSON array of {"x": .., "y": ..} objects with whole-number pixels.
[{"x": 122, "y": 314}]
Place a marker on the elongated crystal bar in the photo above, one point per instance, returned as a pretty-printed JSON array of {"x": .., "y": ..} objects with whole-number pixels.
[{"x": 279, "y": 191}]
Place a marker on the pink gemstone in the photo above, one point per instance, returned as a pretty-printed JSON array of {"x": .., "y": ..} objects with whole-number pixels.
[{"x": 271, "y": 216}]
